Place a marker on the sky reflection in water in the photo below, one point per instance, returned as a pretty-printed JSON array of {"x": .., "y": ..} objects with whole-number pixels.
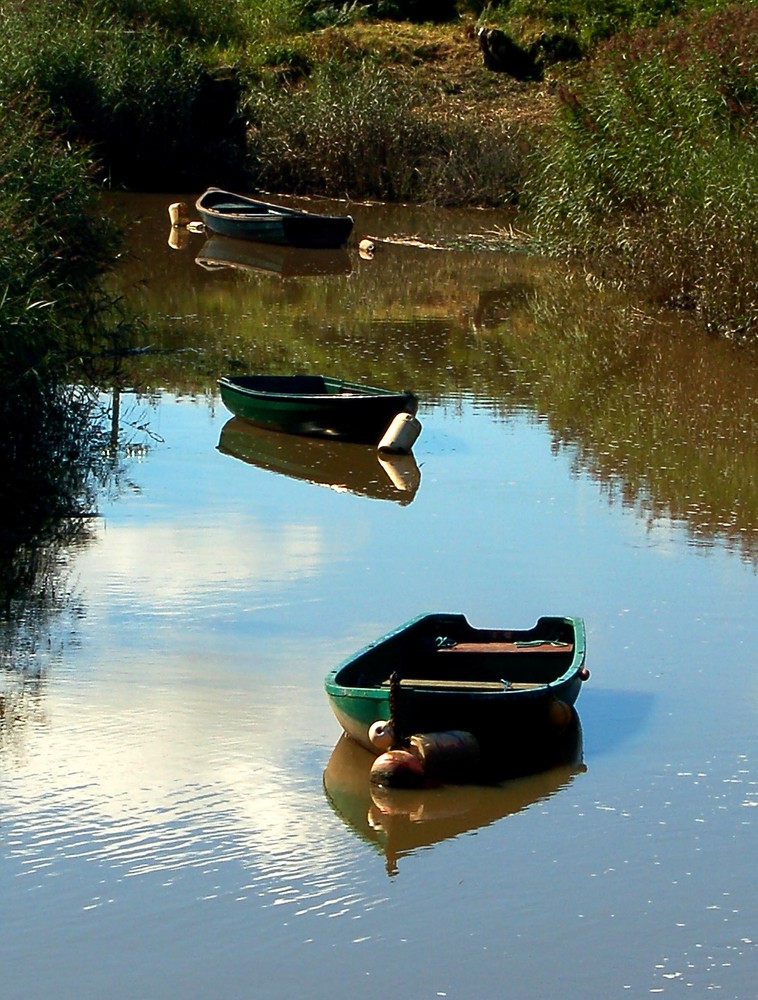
[{"x": 170, "y": 808}]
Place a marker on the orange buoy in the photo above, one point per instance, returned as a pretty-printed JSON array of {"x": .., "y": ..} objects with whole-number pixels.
[
  {"x": 448, "y": 756},
  {"x": 398, "y": 769}
]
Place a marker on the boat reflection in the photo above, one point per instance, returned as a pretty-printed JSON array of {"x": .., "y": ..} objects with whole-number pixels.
[
  {"x": 224, "y": 252},
  {"x": 399, "y": 822},
  {"x": 340, "y": 465}
]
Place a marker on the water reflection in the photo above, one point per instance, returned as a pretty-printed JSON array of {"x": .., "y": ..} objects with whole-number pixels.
[
  {"x": 399, "y": 822},
  {"x": 340, "y": 465},
  {"x": 22, "y": 704},
  {"x": 222, "y": 253},
  {"x": 497, "y": 305},
  {"x": 660, "y": 416}
]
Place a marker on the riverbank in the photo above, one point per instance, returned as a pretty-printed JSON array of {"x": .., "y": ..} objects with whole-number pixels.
[{"x": 636, "y": 155}]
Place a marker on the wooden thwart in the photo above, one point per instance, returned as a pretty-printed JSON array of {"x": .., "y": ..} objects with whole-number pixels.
[
  {"x": 486, "y": 648},
  {"x": 463, "y": 685}
]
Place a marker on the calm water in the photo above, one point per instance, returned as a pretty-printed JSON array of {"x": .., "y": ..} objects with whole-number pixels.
[{"x": 178, "y": 815}]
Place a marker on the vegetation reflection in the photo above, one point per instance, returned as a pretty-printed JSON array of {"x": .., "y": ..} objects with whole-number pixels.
[{"x": 660, "y": 417}]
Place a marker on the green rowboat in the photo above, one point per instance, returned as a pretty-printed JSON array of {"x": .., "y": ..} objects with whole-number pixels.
[
  {"x": 315, "y": 405},
  {"x": 501, "y": 685}
]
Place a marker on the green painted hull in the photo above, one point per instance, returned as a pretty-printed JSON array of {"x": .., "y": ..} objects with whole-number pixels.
[
  {"x": 315, "y": 405},
  {"x": 499, "y": 684}
]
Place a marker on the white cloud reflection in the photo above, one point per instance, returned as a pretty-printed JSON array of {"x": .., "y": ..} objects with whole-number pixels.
[{"x": 163, "y": 562}]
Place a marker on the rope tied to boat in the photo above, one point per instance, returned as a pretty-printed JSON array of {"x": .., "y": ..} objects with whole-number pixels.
[{"x": 395, "y": 709}]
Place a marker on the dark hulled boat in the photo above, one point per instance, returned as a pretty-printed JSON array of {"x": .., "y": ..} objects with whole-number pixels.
[{"x": 241, "y": 217}]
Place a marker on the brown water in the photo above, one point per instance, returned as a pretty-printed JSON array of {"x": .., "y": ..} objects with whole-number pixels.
[{"x": 178, "y": 814}]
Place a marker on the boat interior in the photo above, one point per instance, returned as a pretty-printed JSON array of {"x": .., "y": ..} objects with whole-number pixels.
[
  {"x": 291, "y": 385},
  {"x": 228, "y": 203},
  {"x": 464, "y": 658}
]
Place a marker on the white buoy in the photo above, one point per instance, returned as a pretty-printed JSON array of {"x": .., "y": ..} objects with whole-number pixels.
[
  {"x": 401, "y": 434},
  {"x": 178, "y": 214},
  {"x": 402, "y": 471},
  {"x": 381, "y": 735},
  {"x": 366, "y": 249}
]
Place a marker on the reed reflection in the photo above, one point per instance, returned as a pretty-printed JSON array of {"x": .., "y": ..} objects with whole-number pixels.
[
  {"x": 398, "y": 822},
  {"x": 339, "y": 465},
  {"x": 22, "y": 704}
]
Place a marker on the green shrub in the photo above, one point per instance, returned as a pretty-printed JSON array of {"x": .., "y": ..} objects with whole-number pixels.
[
  {"x": 144, "y": 102},
  {"x": 53, "y": 242},
  {"x": 655, "y": 165},
  {"x": 588, "y": 20}
]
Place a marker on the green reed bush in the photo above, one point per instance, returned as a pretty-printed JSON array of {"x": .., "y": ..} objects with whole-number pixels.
[
  {"x": 588, "y": 20},
  {"x": 221, "y": 21},
  {"x": 362, "y": 134},
  {"x": 143, "y": 101},
  {"x": 53, "y": 242},
  {"x": 653, "y": 166}
]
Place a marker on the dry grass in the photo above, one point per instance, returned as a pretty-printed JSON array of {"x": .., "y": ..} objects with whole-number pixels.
[{"x": 446, "y": 63}]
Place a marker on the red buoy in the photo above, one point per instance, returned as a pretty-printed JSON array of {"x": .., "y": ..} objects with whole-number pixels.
[{"x": 398, "y": 769}]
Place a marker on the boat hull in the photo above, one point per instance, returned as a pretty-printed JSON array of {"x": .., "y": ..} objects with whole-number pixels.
[
  {"x": 505, "y": 695},
  {"x": 315, "y": 405},
  {"x": 239, "y": 217}
]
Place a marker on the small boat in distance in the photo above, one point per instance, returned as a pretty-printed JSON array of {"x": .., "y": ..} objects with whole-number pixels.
[
  {"x": 511, "y": 689},
  {"x": 315, "y": 405},
  {"x": 240, "y": 217}
]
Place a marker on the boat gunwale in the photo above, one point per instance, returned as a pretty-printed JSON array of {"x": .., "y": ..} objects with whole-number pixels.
[
  {"x": 347, "y": 392},
  {"x": 270, "y": 210}
]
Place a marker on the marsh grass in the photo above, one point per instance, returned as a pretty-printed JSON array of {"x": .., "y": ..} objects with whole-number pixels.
[
  {"x": 141, "y": 98},
  {"x": 365, "y": 134},
  {"x": 653, "y": 169}
]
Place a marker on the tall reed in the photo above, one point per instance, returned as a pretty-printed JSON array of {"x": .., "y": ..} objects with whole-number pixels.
[
  {"x": 142, "y": 96},
  {"x": 653, "y": 168},
  {"x": 364, "y": 133},
  {"x": 52, "y": 242}
]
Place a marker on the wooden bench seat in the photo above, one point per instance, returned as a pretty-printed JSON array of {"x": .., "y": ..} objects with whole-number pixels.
[
  {"x": 490, "y": 648},
  {"x": 463, "y": 685}
]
